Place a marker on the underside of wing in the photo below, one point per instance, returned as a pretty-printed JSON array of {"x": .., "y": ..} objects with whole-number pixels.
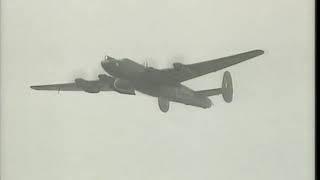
[
  {"x": 103, "y": 84},
  {"x": 182, "y": 72},
  {"x": 58, "y": 87}
]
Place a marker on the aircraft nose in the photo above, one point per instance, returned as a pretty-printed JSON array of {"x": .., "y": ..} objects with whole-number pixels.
[
  {"x": 104, "y": 63},
  {"x": 106, "y": 60}
]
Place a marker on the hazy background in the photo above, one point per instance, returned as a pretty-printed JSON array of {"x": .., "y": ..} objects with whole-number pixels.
[{"x": 265, "y": 133}]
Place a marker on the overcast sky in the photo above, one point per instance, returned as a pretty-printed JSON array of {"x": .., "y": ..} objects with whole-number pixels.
[{"x": 265, "y": 133}]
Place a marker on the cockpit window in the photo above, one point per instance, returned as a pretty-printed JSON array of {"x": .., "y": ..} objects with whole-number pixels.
[{"x": 107, "y": 58}]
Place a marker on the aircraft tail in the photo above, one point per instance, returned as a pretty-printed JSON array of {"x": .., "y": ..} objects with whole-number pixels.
[{"x": 226, "y": 89}]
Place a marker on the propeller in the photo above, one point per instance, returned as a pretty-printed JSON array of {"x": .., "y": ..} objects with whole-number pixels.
[
  {"x": 78, "y": 73},
  {"x": 178, "y": 58},
  {"x": 175, "y": 59},
  {"x": 86, "y": 72},
  {"x": 149, "y": 61},
  {"x": 146, "y": 65}
]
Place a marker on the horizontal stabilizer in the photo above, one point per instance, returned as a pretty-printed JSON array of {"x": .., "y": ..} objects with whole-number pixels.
[{"x": 209, "y": 92}]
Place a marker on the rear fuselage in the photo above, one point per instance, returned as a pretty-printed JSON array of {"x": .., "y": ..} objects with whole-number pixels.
[{"x": 148, "y": 81}]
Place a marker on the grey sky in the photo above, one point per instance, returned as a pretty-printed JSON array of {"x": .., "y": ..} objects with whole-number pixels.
[{"x": 265, "y": 133}]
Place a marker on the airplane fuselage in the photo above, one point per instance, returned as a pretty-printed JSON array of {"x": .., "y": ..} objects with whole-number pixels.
[{"x": 145, "y": 81}]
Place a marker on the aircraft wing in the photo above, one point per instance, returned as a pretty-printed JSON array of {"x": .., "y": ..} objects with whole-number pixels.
[
  {"x": 58, "y": 87},
  {"x": 94, "y": 86},
  {"x": 182, "y": 72}
]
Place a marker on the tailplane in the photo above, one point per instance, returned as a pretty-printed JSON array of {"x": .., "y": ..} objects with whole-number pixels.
[{"x": 226, "y": 89}]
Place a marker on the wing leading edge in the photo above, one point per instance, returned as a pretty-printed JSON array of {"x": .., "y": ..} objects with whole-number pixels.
[{"x": 191, "y": 71}]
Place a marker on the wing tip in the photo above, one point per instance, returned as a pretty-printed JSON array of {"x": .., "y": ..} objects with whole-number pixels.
[
  {"x": 258, "y": 52},
  {"x": 35, "y": 87}
]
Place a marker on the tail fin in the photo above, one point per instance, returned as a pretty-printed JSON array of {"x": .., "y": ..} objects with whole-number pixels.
[{"x": 226, "y": 90}]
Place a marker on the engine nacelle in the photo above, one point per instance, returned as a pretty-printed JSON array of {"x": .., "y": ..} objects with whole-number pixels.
[
  {"x": 106, "y": 78},
  {"x": 181, "y": 67},
  {"x": 178, "y": 66},
  {"x": 124, "y": 87},
  {"x": 87, "y": 86}
]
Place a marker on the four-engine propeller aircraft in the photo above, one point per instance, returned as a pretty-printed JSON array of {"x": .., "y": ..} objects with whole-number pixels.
[{"x": 127, "y": 76}]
